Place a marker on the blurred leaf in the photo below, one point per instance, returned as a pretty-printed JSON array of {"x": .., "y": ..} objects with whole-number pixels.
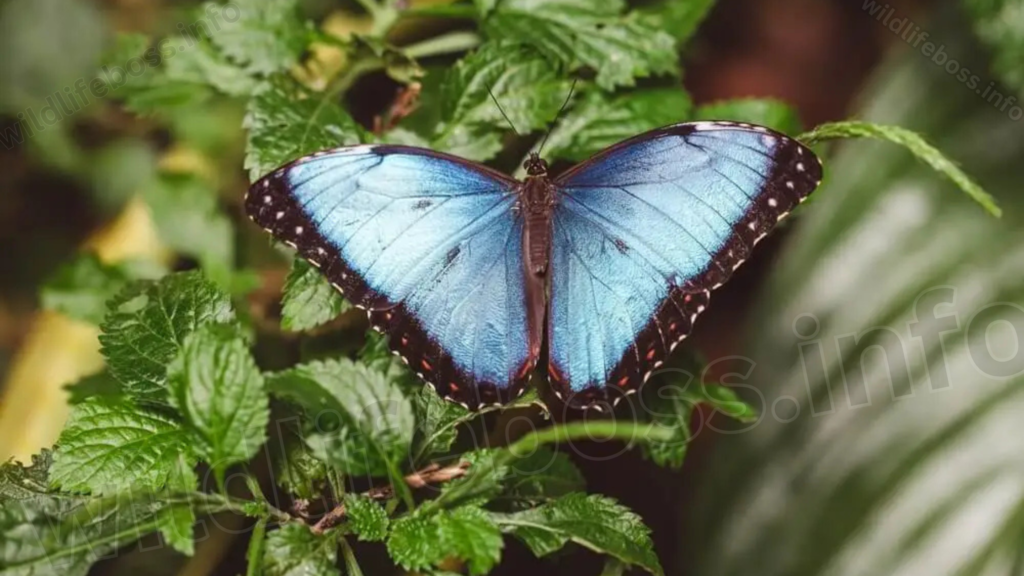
[
  {"x": 286, "y": 121},
  {"x": 81, "y": 288},
  {"x": 543, "y": 475},
  {"x": 599, "y": 120},
  {"x": 109, "y": 447},
  {"x": 774, "y": 114},
  {"x": 999, "y": 24},
  {"x": 101, "y": 384},
  {"x": 364, "y": 423},
  {"x": 215, "y": 384},
  {"x": 176, "y": 522},
  {"x": 595, "y": 522},
  {"x": 189, "y": 220},
  {"x": 265, "y": 36},
  {"x": 309, "y": 300},
  {"x": 366, "y": 518},
  {"x": 293, "y": 550},
  {"x": 420, "y": 541},
  {"x": 891, "y": 444},
  {"x": 199, "y": 63},
  {"x": 119, "y": 170},
  {"x": 678, "y": 18},
  {"x": 592, "y": 34},
  {"x": 147, "y": 324}
]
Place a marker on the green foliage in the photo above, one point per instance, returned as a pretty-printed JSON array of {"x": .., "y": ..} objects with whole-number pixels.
[
  {"x": 356, "y": 438},
  {"x": 366, "y": 518},
  {"x": 293, "y": 550},
  {"x": 998, "y": 23},
  {"x": 215, "y": 385},
  {"x": 593, "y": 521},
  {"x": 146, "y": 325},
  {"x": 81, "y": 288},
  {"x": 308, "y": 301}
]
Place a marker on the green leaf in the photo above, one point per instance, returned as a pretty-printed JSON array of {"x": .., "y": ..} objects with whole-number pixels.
[
  {"x": 620, "y": 48},
  {"x": 599, "y": 120},
  {"x": 763, "y": 112},
  {"x": 680, "y": 19},
  {"x": 365, "y": 423},
  {"x": 293, "y": 550},
  {"x": 917, "y": 146},
  {"x": 18, "y": 482},
  {"x": 437, "y": 421},
  {"x": 286, "y": 121},
  {"x": 199, "y": 63},
  {"x": 81, "y": 288},
  {"x": 483, "y": 481},
  {"x": 542, "y": 475},
  {"x": 309, "y": 299},
  {"x": 108, "y": 447},
  {"x": 101, "y": 384},
  {"x": 264, "y": 36},
  {"x": 595, "y": 522},
  {"x": 147, "y": 324},
  {"x": 529, "y": 89},
  {"x": 420, "y": 541},
  {"x": 366, "y": 518},
  {"x": 218, "y": 389},
  {"x": 176, "y": 521},
  {"x": 294, "y": 467},
  {"x": 189, "y": 220}
]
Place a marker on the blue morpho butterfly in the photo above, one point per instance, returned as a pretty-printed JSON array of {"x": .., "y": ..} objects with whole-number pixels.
[{"x": 471, "y": 272}]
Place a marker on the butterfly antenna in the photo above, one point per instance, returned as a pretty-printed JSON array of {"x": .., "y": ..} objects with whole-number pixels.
[
  {"x": 559, "y": 115},
  {"x": 503, "y": 115}
]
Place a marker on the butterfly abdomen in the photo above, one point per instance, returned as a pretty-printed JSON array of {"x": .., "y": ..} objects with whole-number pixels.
[{"x": 537, "y": 200}]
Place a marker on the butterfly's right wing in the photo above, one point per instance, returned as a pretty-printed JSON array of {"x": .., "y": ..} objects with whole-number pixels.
[{"x": 429, "y": 244}]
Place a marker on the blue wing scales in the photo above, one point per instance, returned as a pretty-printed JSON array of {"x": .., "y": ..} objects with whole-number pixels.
[
  {"x": 428, "y": 244},
  {"x": 645, "y": 230}
]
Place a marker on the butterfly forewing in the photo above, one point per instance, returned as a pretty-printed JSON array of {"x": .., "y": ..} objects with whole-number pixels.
[
  {"x": 428, "y": 244},
  {"x": 644, "y": 231}
]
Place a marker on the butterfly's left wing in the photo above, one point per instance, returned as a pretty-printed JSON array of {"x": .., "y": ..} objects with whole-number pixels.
[
  {"x": 644, "y": 231},
  {"x": 430, "y": 245}
]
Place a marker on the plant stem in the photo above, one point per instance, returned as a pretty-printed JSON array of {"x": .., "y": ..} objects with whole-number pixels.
[{"x": 449, "y": 43}]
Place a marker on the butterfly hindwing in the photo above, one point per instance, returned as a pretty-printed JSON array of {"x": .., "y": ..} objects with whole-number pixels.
[
  {"x": 428, "y": 244},
  {"x": 644, "y": 231}
]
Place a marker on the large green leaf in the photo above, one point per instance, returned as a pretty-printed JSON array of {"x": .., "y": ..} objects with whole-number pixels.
[{"x": 888, "y": 361}]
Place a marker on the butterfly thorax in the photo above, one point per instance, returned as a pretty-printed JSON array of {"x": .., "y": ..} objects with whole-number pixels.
[{"x": 536, "y": 203}]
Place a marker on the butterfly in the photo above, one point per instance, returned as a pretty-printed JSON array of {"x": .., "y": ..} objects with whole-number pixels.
[{"x": 474, "y": 275}]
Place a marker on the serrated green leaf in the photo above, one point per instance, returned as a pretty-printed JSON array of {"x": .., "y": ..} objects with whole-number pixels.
[
  {"x": 215, "y": 384},
  {"x": 188, "y": 219},
  {"x": 483, "y": 480},
  {"x": 200, "y": 63},
  {"x": 293, "y": 550},
  {"x": 365, "y": 423},
  {"x": 421, "y": 541},
  {"x": 107, "y": 447},
  {"x": 436, "y": 421},
  {"x": 620, "y": 48},
  {"x": 147, "y": 323},
  {"x": 366, "y": 518},
  {"x": 176, "y": 521},
  {"x": 309, "y": 300},
  {"x": 81, "y": 288},
  {"x": 294, "y": 467},
  {"x": 543, "y": 475},
  {"x": 528, "y": 88},
  {"x": 19, "y": 482},
  {"x": 285, "y": 121},
  {"x": 599, "y": 120},
  {"x": 595, "y": 522},
  {"x": 774, "y": 114},
  {"x": 264, "y": 36}
]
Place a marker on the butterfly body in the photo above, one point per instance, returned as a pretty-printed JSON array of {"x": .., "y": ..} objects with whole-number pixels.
[{"x": 471, "y": 272}]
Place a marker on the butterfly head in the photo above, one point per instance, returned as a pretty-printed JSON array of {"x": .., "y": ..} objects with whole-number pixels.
[{"x": 535, "y": 165}]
